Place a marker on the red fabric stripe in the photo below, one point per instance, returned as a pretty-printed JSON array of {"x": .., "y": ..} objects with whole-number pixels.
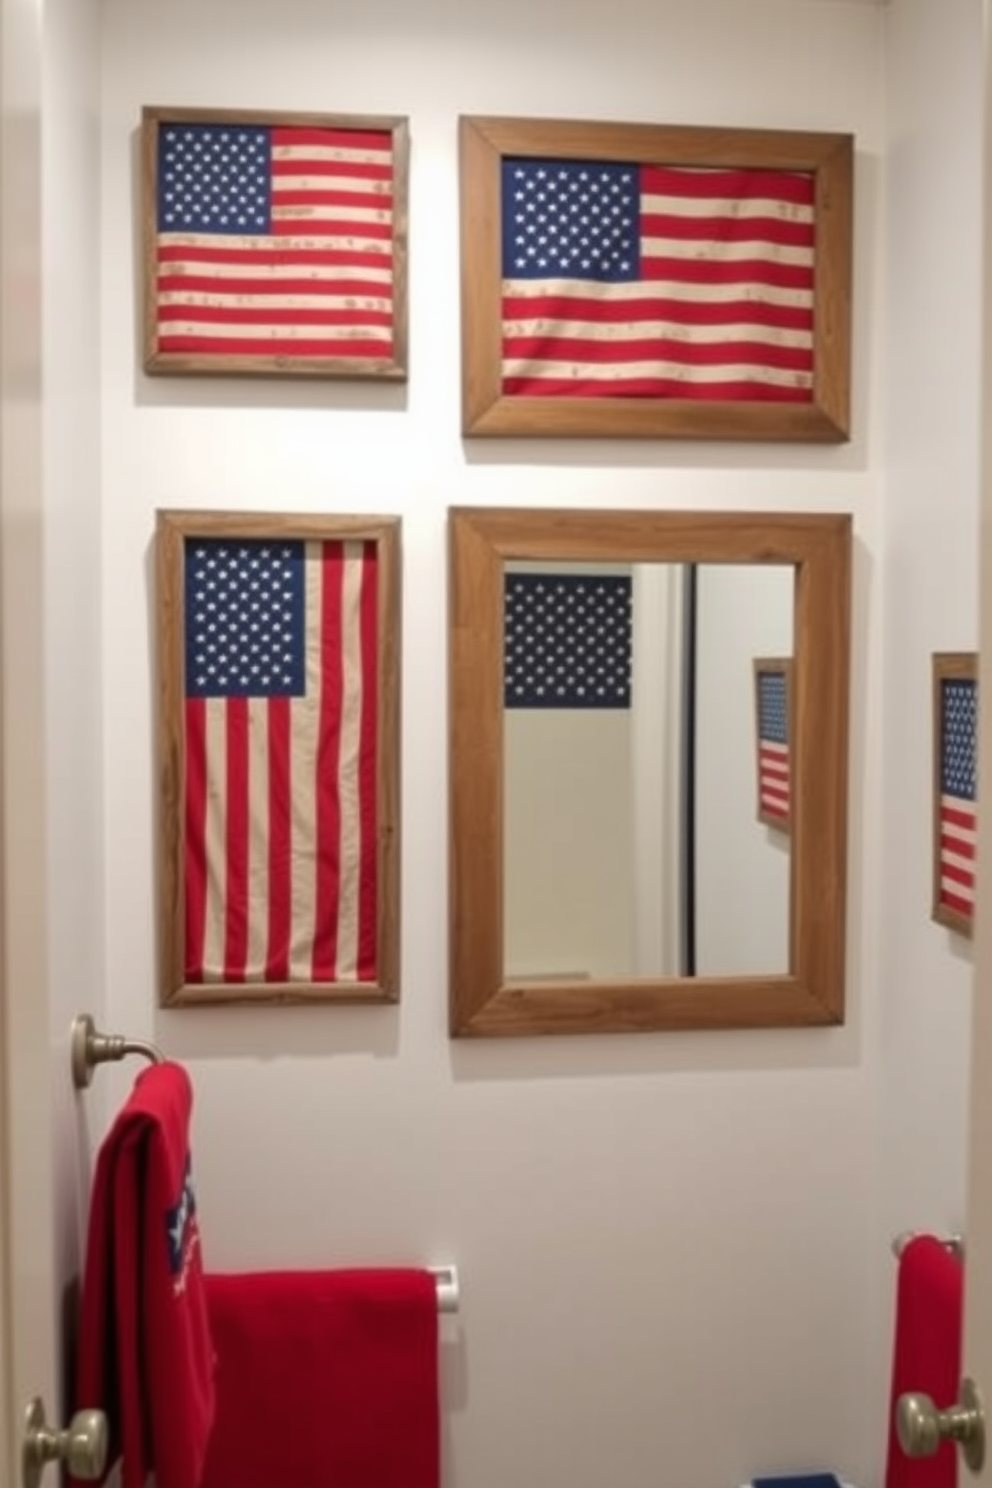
[
  {"x": 296, "y": 346},
  {"x": 328, "y": 805},
  {"x": 957, "y": 902},
  {"x": 727, "y": 271},
  {"x": 236, "y": 853},
  {"x": 280, "y": 840},
  {"x": 651, "y": 307},
  {"x": 260, "y": 288},
  {"x": 660, "y": 348},
  {"x": 772, "y": 806},
  {"x": 348, "y": 139},
  {"x": 728, "y": 229},
  {"x": 367, "y": 970},
  {"x": 195, "y": 850},
  {"x": 651, "y": 387},
  {"x": 746, "y": 183},
  {"x": 271, "y": 257},
  {"x": 356, "y": 169},
  {"x": 953, "y": 816},
  {"x": 295, "y": 227},
  {"x": 955, "y": 872},
  {"x": 251, "y": 315},
  {"x": 959, "y": 846},
  {"x": 379, "y": 202}
]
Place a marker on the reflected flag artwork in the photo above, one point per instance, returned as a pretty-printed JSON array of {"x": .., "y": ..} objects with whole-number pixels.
[
  {"x": 955, "y": 803},
  {"x": 567, "y": 640},
  {"x": 771, "y": 683}
]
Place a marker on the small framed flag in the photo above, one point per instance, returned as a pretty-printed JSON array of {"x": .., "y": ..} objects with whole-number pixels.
[
  {"x": 654, "y": 281},
  {"x": 955, "y": 739},
  {"x": 274, "y": 244},
  {"x": 278, "y": 642},
  {"x": 772, "y": 716}
]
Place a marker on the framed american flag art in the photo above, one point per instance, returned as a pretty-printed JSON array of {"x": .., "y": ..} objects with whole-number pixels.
[
  {"x": 654, "y": 281},
  {"x": 955, "y": 819},
  {"x": 772, "y": 720},
  {"x": 278, "y": 644},
  {"x": 274, "y": 243}
]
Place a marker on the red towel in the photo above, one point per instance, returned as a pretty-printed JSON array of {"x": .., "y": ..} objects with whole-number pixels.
[
  {"x": 326, "y": 1379},
  {"x": 145, "y": 1353},
  {"x": 926, "y": 1354}
]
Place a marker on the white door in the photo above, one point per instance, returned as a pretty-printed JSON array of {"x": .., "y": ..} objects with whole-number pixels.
[{"x": 28, "y": 1350}]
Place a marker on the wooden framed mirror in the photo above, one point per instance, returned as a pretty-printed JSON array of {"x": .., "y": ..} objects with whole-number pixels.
[{"x": 732, "y": 586}]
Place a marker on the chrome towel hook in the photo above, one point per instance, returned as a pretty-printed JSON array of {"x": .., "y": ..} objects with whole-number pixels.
[{"x": 90, "y": 1048}]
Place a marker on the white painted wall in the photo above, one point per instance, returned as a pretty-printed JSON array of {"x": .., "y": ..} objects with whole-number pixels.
[
  {"x": 648, "y": 1229},
  {"x": 918, "y": 1033},
  {"x": 72, "y": 580}
]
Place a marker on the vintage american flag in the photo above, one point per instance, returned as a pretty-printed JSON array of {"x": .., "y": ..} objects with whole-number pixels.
[
  {"x": 280, "y": 747},
  {"x": 958, "y": 764},
  {"x": 651, "y": 281},
  {"x": 773, "y": 746},
  {"x": 274, "y": 241},
  {"x": 567, "y": 640}
]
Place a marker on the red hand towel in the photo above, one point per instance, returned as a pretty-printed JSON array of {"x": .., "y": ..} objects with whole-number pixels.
[
  {"x": 145, "y": 1353},
  {"x": 926, "y": 1354},
  {"x": 325, "y": 1379}
]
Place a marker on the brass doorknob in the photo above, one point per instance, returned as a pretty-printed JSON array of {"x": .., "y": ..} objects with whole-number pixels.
[
  {"x": 921, "y": 1427},
  {"x": 82, "y": 1447}
]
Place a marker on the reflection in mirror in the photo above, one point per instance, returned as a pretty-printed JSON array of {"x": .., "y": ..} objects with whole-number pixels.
[
  {"x": 614, "y": 862},
  {"x": 633, "y": 844}
]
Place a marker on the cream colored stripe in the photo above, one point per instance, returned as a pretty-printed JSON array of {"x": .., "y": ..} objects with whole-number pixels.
[
  {"x": 661, "y": 289},
  {"x": 288, "y": 244},
  {"x": 351, "y": 726},
  {"x": 304, "y": 731},
  {"x": 235, "y": 297},
  {"x": 215, "y": 838},
  {"x": 722, "y": 206},
  {"x": 220, "y": 328},
  {"x": 329, "y": 212},
  {"x": 333, "y": 152},
  {"x": 591, "y": 330},
  {"x": 676, "y": 371},
  {"x": 258, "y": 839},
  {"x": 779, "y": 253},
  {"x": 354, "y": 184},
  {"x": 274, "y": 272}
]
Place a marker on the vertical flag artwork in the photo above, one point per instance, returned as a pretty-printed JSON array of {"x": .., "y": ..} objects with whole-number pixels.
[
  {"x": 567, "y": 640},
  {"x": 955, "y": 706},
  {"x": 279, "y": 724},
  {"x": 633, "y": 279},
  {"x": 772, "y": 681},
  {"x": 275, "y": 243}
]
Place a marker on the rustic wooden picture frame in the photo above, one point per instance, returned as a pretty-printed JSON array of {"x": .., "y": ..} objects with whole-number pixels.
[
  {"x": 251, "y": 299},
  {"x": 245, "y": 915},
  {"x": 955, "y": 767},
  {"x": 488, "y": 410},
  {"x": 772, "y": 757}
]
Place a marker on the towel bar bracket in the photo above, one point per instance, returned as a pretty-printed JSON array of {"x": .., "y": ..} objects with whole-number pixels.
[{"x": 90, "y": 1048}]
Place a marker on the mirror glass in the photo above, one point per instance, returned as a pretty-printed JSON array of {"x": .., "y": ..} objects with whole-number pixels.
[
  {"x": 648, "y": 772},
  {"x": 633, "y": 840}
]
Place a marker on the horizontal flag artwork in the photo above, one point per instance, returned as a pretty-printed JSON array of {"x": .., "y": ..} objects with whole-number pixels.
[
  {"x": 772, "y": 703},
  {"x": 283, "y": 724},
  {"x": 275, "y": 243},
  {"x": 641, "y": 280},
  {"x": 567, "y": 640},
  {"x": 649, "y": 281},
  {"x": 955, "y": 793}
]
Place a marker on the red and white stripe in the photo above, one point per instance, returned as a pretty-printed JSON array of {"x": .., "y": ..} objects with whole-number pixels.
[
  {"x": 319, "y": 285},
  {"x": 773, "y": 779},
  {"x": 280, "y": 854},
  {"x": 723, "y": 308},
  {"x": 958, "y": 838}
]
